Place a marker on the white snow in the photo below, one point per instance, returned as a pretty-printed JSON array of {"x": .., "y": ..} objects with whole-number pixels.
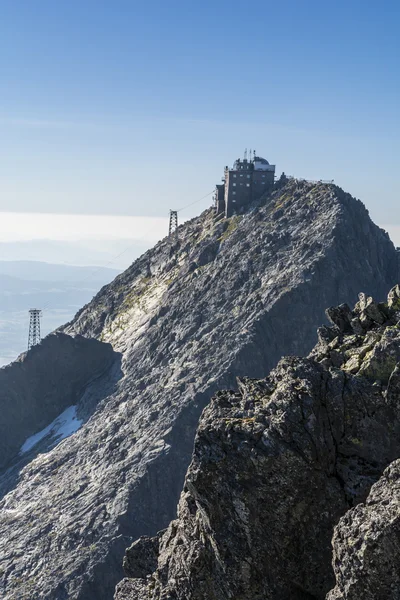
[{"x": 63, "y": 426}]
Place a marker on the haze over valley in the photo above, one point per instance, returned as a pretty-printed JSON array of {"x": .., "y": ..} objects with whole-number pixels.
[{"x": 59, "y": 290}]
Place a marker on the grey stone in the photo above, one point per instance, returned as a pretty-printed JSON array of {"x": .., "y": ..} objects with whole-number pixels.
[
  {"x": 394, "y": 298},
  {"x": 141, "y": 558},
  {"x": 340, "y": 316},
  {"x": 366, "y": 544},
  {"x": 225, "y": 299},
  {"x": 40, "y": 384},
  {"x": 274, "y": 467}
]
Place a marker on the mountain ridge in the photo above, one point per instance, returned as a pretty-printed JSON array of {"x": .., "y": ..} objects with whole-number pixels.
[{"x": 224, "y": 298}]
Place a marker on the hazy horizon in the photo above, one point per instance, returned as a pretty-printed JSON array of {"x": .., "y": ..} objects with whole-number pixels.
[
  {"x": 96, "y": 120},
  {"x": 114, "y": 251},
  {"x": 102, "y": 132}
]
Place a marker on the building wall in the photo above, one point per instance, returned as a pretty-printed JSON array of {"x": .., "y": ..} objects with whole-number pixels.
[
  {"x": 220, "y": 198},
  {"x": 238, "y": 190},
  {"x": 262, "y": 181},
  {"x": 244, "y": 185}
]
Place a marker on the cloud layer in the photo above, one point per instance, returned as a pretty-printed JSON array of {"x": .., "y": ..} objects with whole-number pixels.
[{"x": 70, "y": 227}]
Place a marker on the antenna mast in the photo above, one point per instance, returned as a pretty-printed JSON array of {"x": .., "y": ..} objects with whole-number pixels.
[{"x": 34, "y": 327}]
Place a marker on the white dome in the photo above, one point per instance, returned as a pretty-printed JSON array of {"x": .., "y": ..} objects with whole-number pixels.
[{"x": 258, "y": 159}]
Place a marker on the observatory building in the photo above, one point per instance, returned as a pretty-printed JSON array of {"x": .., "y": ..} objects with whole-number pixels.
[{"x": 246, "y": 182}]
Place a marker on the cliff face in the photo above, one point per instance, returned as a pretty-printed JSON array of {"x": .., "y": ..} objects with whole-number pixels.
[
  {"x": 227, "y": 298},
  {"x": 30, "y": 392},
  {"x": 276, "y": 464},
  {"x": 366, "y": 544}
]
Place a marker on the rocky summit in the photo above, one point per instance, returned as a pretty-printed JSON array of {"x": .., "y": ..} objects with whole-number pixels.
[
  {"x": 277, "y": 463},
  {"x": 104, "y": 460}
]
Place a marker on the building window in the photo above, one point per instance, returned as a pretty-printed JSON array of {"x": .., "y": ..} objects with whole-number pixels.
[
  {"x": 263, "y": 176},
  {"x": 234, "y": 175},
  {"x": 247, "y": 185},
  {"x": 241, "y": 174},
  {"x": 233, "y": 183},
  {"x": 233, "y": 193},
  {"x": 248, "y": 176},
  {"x": 263, "y": 182}
]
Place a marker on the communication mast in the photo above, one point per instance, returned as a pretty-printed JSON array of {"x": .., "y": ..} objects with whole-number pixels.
[
  {"x": 173, "y": 222},
  {"x": 34, "y": 327}
]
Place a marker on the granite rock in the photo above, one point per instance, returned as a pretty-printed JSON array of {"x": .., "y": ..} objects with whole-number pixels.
[
  {"x": 366, "y": 544},
  {"x": 225, "y": 298},
  {"x": 277, "y": 463}
]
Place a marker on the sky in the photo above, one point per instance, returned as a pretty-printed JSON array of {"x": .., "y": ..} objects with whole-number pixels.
[{"x": 126, "y": 109}]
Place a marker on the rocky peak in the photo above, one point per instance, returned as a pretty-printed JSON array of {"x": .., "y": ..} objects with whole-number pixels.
[
  {"x": 276, "y": 464},
  {"x": 362, "y": 340},
  {"x": 226, "y": 298}
]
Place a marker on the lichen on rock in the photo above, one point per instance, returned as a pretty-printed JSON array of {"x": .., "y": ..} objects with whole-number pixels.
[
  {"x": 277, "y": 463},
  {"x": 366, "y": 544}
]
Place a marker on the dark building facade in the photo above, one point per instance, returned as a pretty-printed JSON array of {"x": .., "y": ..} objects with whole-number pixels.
[
  {"x": 246, "y": 182},
  {"x": 220, "y": 198}
]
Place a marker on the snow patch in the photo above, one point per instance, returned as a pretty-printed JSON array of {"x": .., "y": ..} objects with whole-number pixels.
[{"x": 63, "y": 426}]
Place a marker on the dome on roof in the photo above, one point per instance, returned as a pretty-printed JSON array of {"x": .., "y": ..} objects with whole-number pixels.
[{"x": 261, "y": 160}]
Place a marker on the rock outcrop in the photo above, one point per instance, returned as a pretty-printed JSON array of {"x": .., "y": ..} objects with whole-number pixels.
[
  {"x": 225, "y": 298},
  {"x": 366, "y": 544},
  {"x": 30, "y": 392},
  {"x": 277, "y": 463}
]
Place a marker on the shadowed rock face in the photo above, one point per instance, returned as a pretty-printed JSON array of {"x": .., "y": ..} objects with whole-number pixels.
[
  {"x": 42, "y": 383},
  {"x": 227, "y": 299},
  {"x": 275, "y": 466},
  {"x": 366, "y": 544}
]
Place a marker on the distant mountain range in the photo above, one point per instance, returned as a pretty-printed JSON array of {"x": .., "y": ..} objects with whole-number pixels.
[
  {"x": 59, "y": 289},
  {"x": 31, "y": 270},
  {"x": 121, "y": 252}
]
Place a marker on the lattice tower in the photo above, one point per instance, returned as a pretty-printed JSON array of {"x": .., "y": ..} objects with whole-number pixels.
[
  {"x": 173, "y": 222},
  {"x": 34, "y": 327}
]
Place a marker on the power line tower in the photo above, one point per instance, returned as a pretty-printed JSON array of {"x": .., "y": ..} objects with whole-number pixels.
[
  {"x": 173, "y": 222},
  {"x": 34, "y": 327}
]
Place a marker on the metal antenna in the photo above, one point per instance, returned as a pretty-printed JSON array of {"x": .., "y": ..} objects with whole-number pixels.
[
  {"x": 34, "y": 327},
  {"x": 173, "y": 222},
  {"x": 245, "y": 154}
]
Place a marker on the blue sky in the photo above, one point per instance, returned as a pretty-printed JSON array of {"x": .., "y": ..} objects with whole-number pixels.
[{"x": 132, "y": 108}]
